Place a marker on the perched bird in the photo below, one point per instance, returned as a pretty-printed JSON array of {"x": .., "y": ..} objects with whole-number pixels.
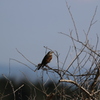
[{"x": 47, "y": 58}]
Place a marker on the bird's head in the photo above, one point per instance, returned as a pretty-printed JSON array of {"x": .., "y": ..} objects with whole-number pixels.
[{"x": 50, "y": 52}]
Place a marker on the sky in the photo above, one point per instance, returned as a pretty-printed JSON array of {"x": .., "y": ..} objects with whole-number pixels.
[{"x": 29, "y": 25}]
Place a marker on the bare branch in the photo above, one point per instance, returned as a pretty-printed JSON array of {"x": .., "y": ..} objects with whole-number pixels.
[
  {"x": 25, "y": 57},
  {"x": 91, "y": 23},
  {"x": 11, "y": 86},
  {"x": 72, "y": 20},
  {"x": 81, "y": 43},
  {"x": 70, "y": 81},
  {"x": 21, "y": 63}
]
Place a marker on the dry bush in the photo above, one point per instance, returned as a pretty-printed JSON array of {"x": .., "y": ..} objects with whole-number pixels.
[{"x": 77, "y": 81}]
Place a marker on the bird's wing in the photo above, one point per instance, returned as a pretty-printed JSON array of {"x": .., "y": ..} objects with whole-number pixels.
[{"x": 46, "y": 59}]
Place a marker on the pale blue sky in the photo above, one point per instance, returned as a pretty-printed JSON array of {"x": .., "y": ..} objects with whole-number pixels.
[{"x": 28, "y": 25}]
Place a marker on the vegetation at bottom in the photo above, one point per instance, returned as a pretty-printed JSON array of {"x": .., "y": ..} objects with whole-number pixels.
[{"x": 29, "y": 92}]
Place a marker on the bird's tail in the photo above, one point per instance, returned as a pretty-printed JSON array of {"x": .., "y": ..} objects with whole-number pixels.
[{"x": 39, "y": 66}]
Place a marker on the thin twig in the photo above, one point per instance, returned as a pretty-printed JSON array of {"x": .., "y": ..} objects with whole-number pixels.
[
  {"x": 82, "y": 44},
  {"x": 11, "y": 86},
  {"x": 21, "y": 63},
  {"x": 91, "y": 23},
  {"x": 72, "y": 20},
  {"x": 25, "y": 57}
]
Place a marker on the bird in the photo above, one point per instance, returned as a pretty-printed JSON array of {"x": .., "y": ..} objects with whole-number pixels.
[{"x": 47, "y": 58}]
